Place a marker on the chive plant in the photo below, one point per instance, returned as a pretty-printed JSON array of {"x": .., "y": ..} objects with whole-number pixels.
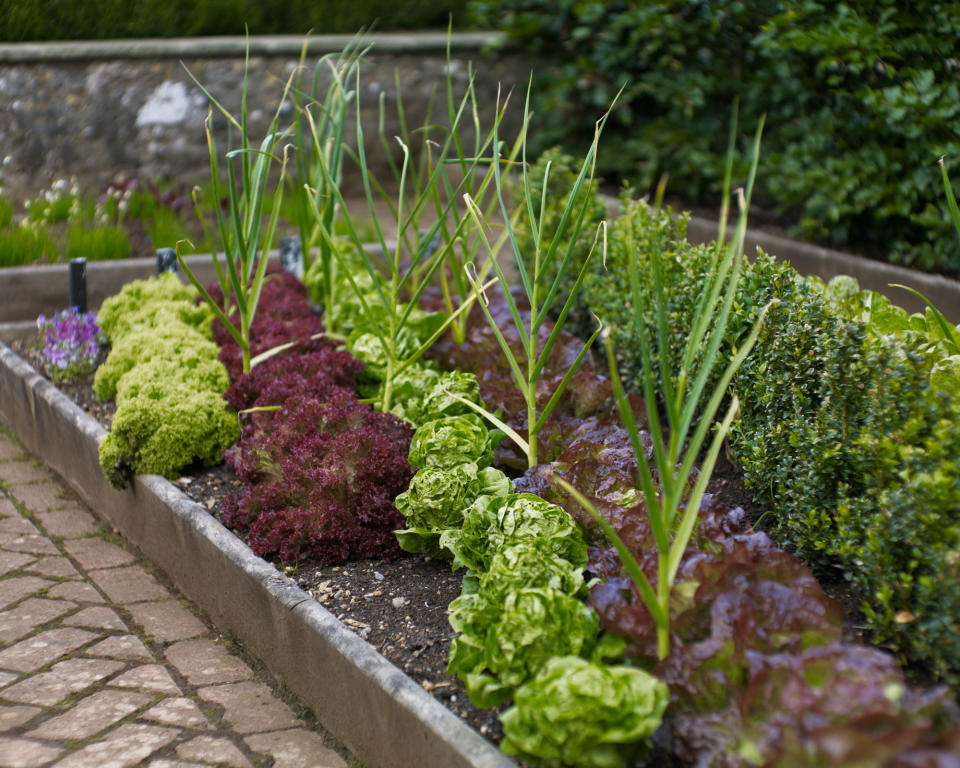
[
  {"x": 673, "y": 508},
  {"x": 245, "y": 240},
  {"x": 400, "y": 270},
  {"x": 541, "y": 291}
]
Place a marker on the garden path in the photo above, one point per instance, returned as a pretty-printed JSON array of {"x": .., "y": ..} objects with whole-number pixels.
[{"x": 103, "y": 664}]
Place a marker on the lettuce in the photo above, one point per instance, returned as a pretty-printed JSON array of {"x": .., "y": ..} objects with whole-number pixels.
[
  {"x": 492, "y": 523},
  {"x": 436, "y": 499},
  {"x": 439, "y": 403},
  {"x": 527, "y": 565},
  {"x": 578, "y": 713},
  {"x": 535, "y": 625},
  {"x": 450, "y": 441}
]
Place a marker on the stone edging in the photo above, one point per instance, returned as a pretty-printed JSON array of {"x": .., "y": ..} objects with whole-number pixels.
[
  {"x": 233, "y": 46},
  {"x": 825, "y": 263},
  {"x": 382, "y": 715}
]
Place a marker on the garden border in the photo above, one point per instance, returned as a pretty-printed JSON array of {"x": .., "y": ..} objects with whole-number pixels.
[{"x": 382, "y": 715}]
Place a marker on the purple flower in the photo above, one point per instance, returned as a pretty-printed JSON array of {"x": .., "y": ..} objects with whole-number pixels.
[{"x": 72, "y": 343}]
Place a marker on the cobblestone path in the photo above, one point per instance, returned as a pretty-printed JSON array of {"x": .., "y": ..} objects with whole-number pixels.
[{"x": 102, "y": 665}]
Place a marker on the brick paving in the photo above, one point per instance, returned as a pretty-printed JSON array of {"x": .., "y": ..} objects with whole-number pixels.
[{"x": 103, "y": 665}]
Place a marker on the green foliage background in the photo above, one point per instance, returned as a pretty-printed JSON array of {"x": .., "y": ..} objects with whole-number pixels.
[
  {"x": 22, "y": 20},
  {"x": 862, "y": 97}
]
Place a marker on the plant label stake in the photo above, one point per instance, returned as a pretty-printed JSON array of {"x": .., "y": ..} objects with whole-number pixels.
[
  {"x": 78, "y": 284},
  {"x": 291, "y": 256},
  {"x": 166, "y": 260}
]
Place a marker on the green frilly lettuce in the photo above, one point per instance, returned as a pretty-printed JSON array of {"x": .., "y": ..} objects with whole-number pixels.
[
  {"x": 578, "y": 713},
  {"x": 451, "y": 441},
  {"x": 436, "y": 499},
  {"x": 491, "y": 524}
]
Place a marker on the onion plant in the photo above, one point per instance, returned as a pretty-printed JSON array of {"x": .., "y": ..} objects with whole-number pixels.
[
  {"x": 689, "y": 408},
  {"x": 541, "y": 291},
  {"x": 245, "y": 240},
  {"x": 455, "y": 170},
  {"x": 399, "y": 270},
  {"x": 327, "y": 100}
]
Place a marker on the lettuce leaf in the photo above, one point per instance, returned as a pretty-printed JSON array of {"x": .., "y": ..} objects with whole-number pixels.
[
  {"x": 535, "y": 625},
  {"x": 578, "y": 713},
  {"x": 436, "y": 499},
  {"x": 493, "y": 523},
  {"x": 450, "y": 441}
]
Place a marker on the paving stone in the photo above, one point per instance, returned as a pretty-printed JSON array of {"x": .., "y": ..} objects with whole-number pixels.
[
  {"x": 71, "y": 523},
  {"x": 250, "y": 707},
  {"x": 18, "y": 587},
  {"x": 128, "y": 745},
  {"x": 10, "y": 450},
  {"x": 38, "y": 651},
  {"x": 30, "y": 543},
  {"x": 90, "y": 715},
  {"x": 98, "y": 617},
  {"x": 78, "y": 591},
  {"x": 16, "y": 472},
  {"x": 93, "y": 552},
  {"x": 20, "y": 753},
  {"x": 6, "y": 506},
  {"x": 29, "y": 616},
  {"x": 126, "y": 647},
  {"x": 38, "y": 497},
  {"x": 213, "y": 749},
  {"x": 6, "y": 678},
  {"x": 14, "y": 522},
  {"x": 15, "y": 717},
  {"x": 178, "y": 711},
  {"x": 56, "y": 567},
  {"x": 13, "y": 561},
  {"x": 167, "y": 621},
  {"x": 163, "y": 762},
  {"x": 204, "y": 662},
  {"x": 149, "y": 677},
  {"x": 70, "y": 676},
  {"x": 128, "y": 585},
  {"x": 298, "y": 748}
]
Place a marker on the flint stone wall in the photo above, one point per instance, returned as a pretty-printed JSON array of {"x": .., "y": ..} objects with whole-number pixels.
[{"x": 104, "y": 110}]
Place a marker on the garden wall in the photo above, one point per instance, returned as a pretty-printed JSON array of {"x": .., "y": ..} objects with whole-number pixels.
[{"x": 101, "y": 109}]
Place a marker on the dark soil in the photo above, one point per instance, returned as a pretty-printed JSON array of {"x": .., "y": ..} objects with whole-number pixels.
[{"x": 400, "y": 606}]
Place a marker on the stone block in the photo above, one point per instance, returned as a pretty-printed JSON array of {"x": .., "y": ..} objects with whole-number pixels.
[
  {"x": 204, "y": 662},
  {"x": 93, "y": 553},
  {"x": 128, "y": 585},
  {"x": 167, "y": 621},
  {"x": 70, "y": 522},
  {"x": 250, "y": 707},
  {"x": 298, "y": 748},
  {"x": 90, "y": 715}
]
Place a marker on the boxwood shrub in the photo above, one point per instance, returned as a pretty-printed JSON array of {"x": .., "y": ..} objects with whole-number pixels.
[
  {"x": 841, "y": 432},
  {"x": 861, "y": 99}
]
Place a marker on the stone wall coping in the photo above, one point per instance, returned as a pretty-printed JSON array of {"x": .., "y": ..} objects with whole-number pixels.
[{"x": 234, "y": 46}]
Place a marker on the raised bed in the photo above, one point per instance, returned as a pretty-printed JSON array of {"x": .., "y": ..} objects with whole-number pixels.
[{"x": 378, "y": 712}]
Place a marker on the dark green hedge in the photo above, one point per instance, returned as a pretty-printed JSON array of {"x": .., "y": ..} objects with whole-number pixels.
[
  {"x": 22, "y": 20},
  {"x": 862, "y": 97},
  {"x": 845, "y": 431}
]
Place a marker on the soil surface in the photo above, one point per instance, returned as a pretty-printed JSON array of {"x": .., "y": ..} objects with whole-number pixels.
[{"x": 400, "y": 606}]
